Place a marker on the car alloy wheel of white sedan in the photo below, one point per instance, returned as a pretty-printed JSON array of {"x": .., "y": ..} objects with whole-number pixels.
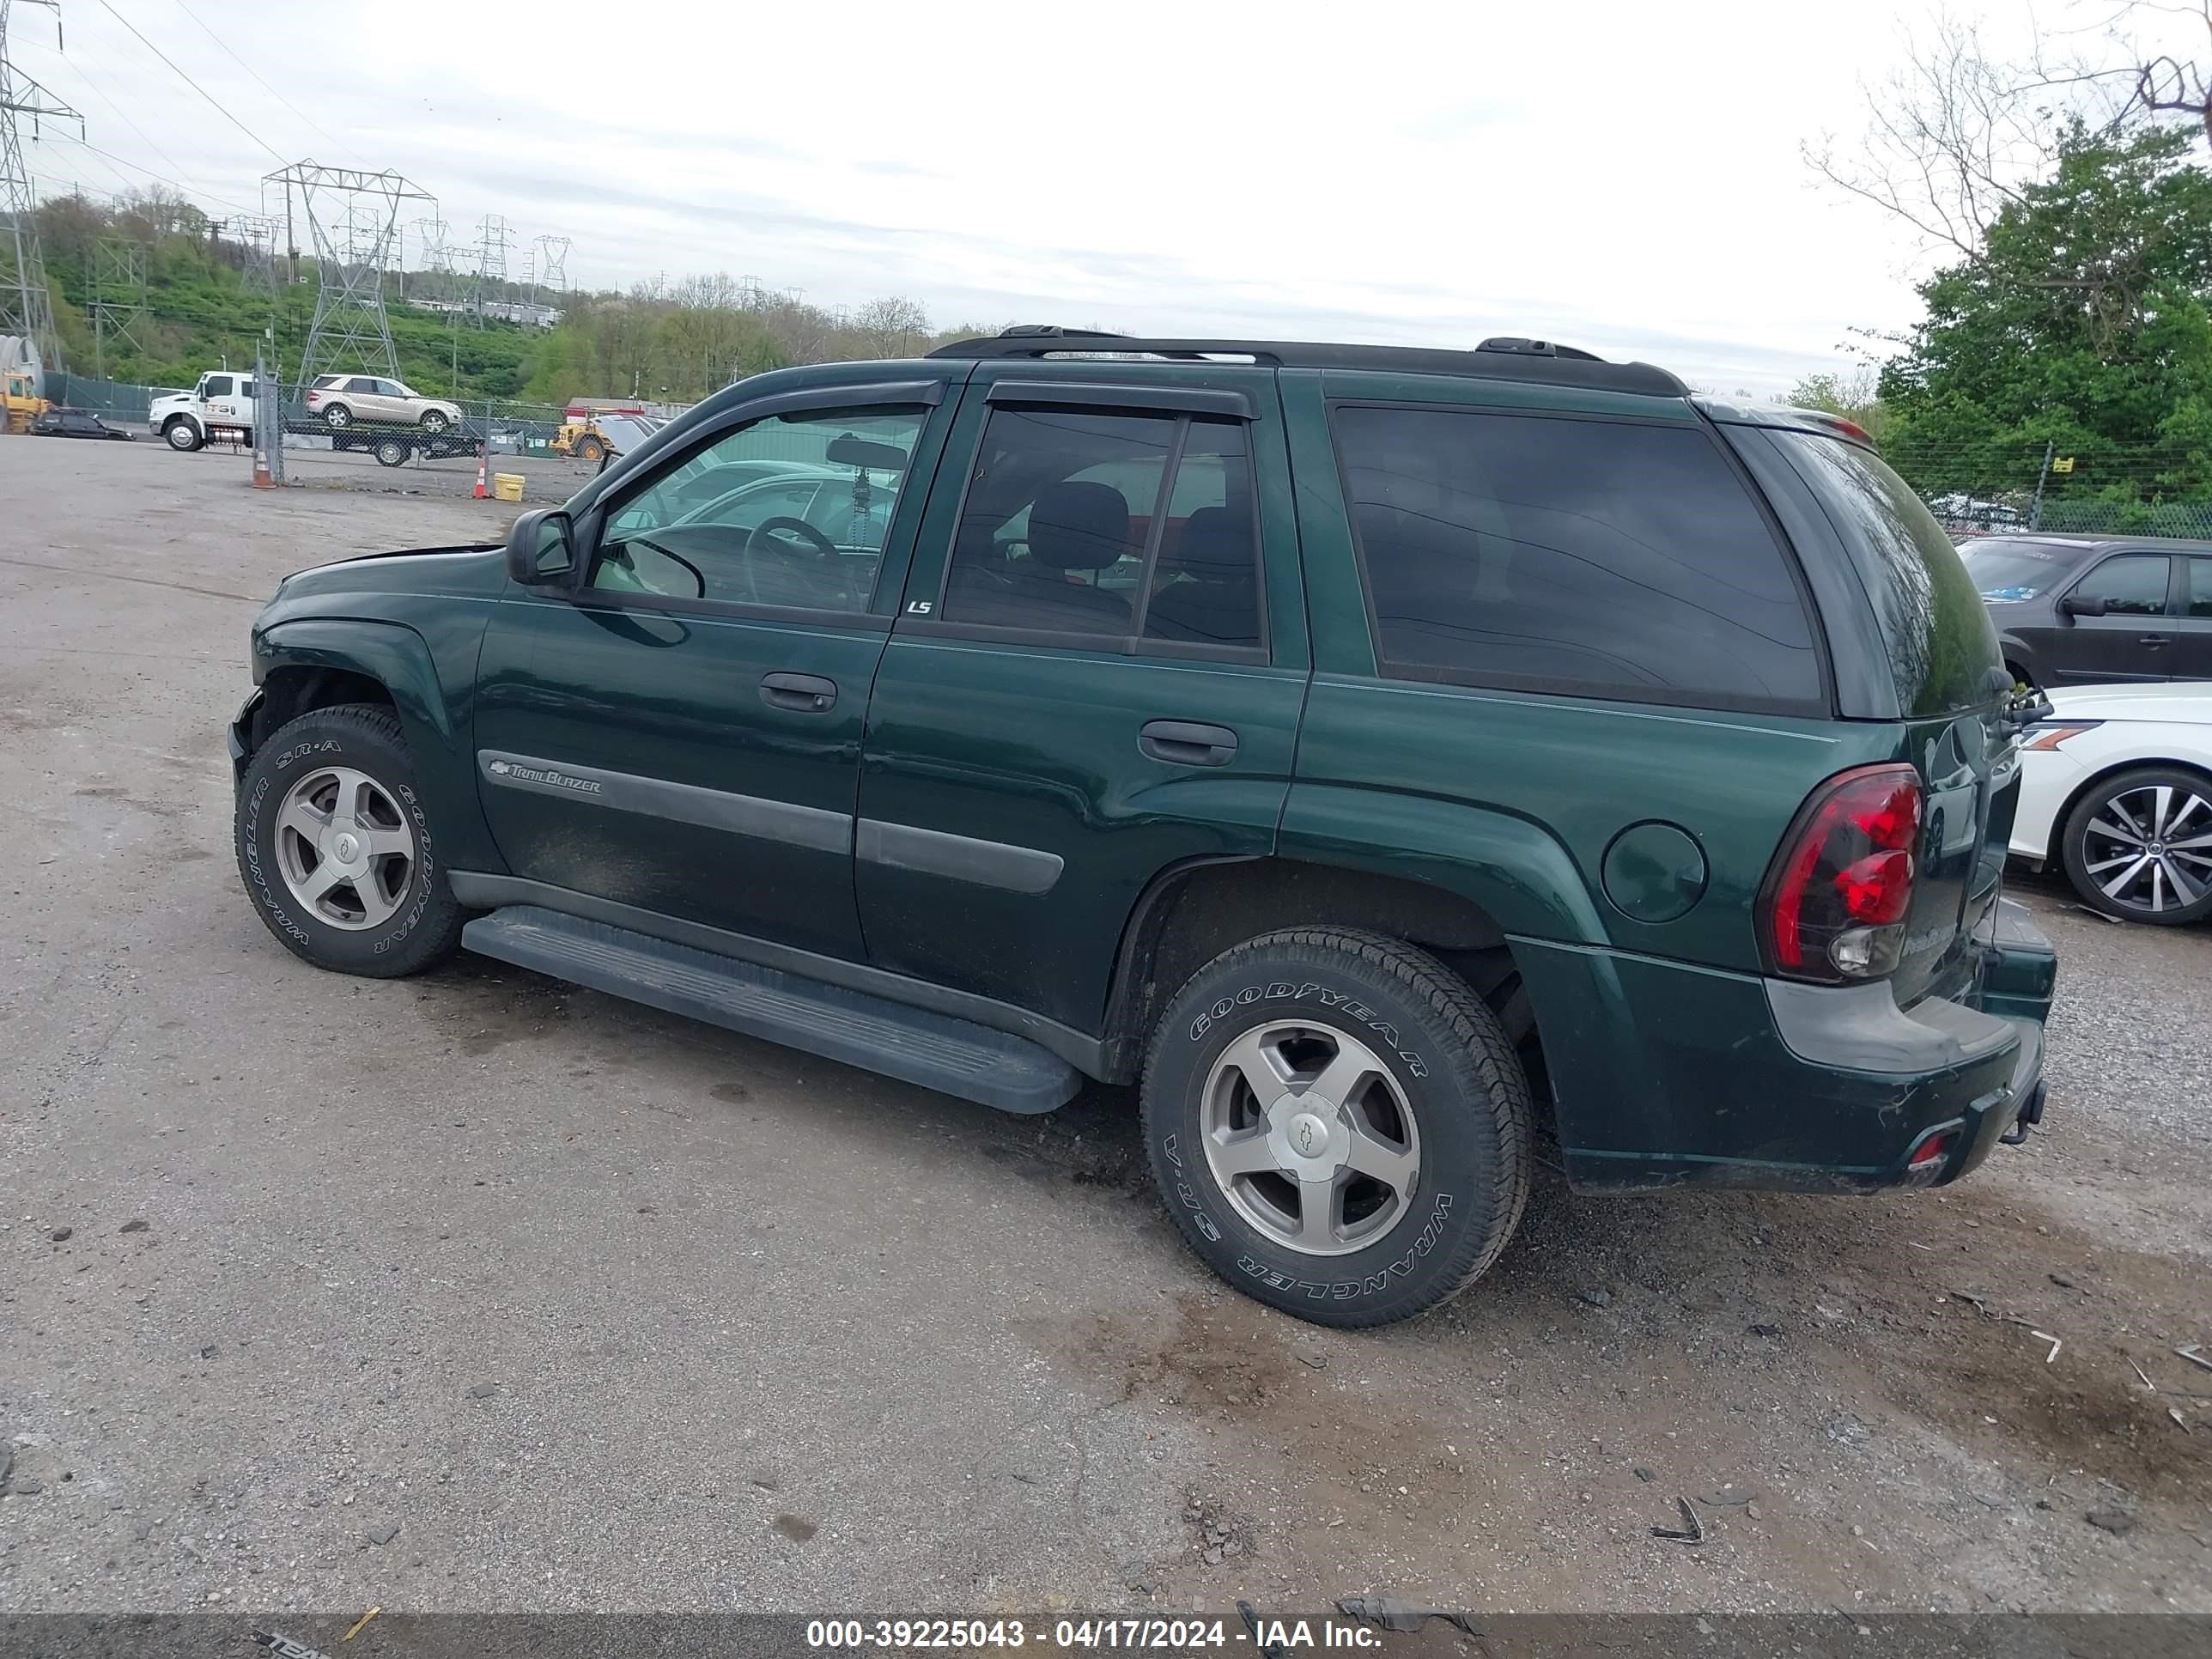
[{"x": 2116, "y": 789}]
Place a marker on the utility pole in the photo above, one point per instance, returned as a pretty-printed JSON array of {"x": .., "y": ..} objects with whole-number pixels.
[
  {"x": 2035, "y": 507},
  {"x": 26, "y": 306}
]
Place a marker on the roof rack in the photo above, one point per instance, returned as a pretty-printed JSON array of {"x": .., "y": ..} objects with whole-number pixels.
[{"x": 1502, "y": 358}]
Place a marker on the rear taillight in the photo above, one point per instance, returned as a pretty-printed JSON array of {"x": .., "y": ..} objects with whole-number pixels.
[
  {"x": 314, "y": 397},
  {"x": 1835, "y": 902}
]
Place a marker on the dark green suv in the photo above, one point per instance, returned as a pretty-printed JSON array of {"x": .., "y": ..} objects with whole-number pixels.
[{"x": 1404, "y": 765}]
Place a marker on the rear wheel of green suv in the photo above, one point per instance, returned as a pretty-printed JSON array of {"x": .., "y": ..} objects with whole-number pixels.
[{"x": 1339, "y": 1124}]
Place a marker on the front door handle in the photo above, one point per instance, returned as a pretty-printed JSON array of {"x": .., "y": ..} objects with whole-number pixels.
[
  {"x": 803, "y": 693},
  {"x": 2155, "y": 641},
  {"x": 1186, "y": 743}
]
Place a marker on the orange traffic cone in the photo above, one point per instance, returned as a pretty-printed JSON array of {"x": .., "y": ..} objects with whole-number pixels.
[
  {"x": 261, "y": 478},
  {"x": 483, "y": 460}
]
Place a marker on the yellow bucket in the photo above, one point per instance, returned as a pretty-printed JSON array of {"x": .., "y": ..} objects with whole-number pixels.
[{"x": 506, "y": 486}]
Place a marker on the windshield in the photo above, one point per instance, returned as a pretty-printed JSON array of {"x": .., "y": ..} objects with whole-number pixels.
[
  {"x": 1942, "y": 648},
  {"x": 2007, "y": 571}
]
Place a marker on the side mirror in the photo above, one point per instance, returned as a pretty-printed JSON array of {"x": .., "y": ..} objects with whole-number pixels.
[
  {"x": 541, "y": 548},
  {"x": 2082, "y": 604}
]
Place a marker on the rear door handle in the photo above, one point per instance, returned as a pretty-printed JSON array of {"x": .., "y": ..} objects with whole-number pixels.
[
  {"x": 2156, "y": 640},
  {"x": 803, "y": 693},
  {"x": 1186, "y": 743}
]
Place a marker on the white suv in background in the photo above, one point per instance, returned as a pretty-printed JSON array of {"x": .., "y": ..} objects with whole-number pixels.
[{"x": 342, "y": 400}]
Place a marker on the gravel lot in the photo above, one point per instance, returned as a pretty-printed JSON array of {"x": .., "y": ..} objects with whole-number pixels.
[{"x": 476, "y": 1291}]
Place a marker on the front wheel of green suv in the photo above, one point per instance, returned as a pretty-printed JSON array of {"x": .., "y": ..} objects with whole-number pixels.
[
  {"x": 1339, "y": 1124},
  {"x": 336, "y": 849}
]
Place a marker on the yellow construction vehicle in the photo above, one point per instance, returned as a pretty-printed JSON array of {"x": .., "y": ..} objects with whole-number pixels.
[
  {"x": 593, "y": 428},
  {"x": 19, "y": 400}
]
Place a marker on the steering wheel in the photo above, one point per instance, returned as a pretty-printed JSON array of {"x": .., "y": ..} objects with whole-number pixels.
[
  {"x": 758, "y": 541},
  {"x": 762, "y": 539}
]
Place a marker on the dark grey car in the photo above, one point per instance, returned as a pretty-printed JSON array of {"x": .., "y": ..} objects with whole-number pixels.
[{"x": 2078, "y": 610}]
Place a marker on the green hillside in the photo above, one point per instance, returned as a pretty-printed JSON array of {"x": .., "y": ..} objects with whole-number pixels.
[{"x": 669, "y": 342}]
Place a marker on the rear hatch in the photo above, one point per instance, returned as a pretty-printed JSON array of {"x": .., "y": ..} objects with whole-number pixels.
[{"x": 1952, "y": 687}]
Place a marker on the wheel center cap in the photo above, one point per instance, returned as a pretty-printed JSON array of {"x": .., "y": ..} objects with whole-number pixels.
[
  {"x": 345, "y": 847},
  {"x": 1309, "y": 1139},
  {"x": 2158, "y": 847}
]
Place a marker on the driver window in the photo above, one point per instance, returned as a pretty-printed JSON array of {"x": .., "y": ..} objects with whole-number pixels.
[{"x": 792, "y": 510}]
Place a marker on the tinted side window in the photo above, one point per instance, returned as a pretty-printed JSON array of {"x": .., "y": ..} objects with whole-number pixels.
[
  {"x": 1205, "y": 586},
  {"x": 2196, "y": 601},
  {"x": 218, "y": 386},
  {"x": 2132, "y": 585},
  {"x": 1073, "y": 525},
  {"x": 1605, "y": 558}
]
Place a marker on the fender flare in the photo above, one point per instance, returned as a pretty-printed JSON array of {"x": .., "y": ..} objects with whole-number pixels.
[
  {"x": 1513, "y": 870},
  {"x": 399, "y": 660}
]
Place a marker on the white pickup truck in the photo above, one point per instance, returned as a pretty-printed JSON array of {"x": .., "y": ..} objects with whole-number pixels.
[{"x": 220, "y": 406}]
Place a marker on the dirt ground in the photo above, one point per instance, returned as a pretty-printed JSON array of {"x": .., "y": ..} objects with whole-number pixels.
[{"x": 479, "y": 1291}]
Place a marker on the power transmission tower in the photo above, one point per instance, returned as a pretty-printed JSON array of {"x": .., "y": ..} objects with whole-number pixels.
[
  {"x": 492, "y": 240},
  {"x": 256, "y": 235},
  {"x": 116, "y": 297},
  {"x": 553, "y": 262},
  {"x": 354, "y": 218},
  {"x": 27, "y": 307},
  {"x": 437, "y": 250}
]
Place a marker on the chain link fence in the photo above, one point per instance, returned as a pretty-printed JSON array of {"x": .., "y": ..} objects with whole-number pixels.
[
  {"x": 2138, "y": 492},
  {"x": 112, "y": 400}
]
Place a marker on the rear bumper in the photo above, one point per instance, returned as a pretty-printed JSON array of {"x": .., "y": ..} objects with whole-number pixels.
[{"x": 1692, "y": 1076}]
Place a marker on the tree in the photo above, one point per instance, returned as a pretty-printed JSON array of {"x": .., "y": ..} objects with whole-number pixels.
[
  {"x": 2080, "y": 320},
  {"x": 891, "y": 328},
  {"x": 1954, "y": 136},
  {"x": 1856, "y": 395}
]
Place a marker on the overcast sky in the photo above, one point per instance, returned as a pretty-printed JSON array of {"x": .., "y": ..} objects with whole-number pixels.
[{"x": 1625, "y": 177}]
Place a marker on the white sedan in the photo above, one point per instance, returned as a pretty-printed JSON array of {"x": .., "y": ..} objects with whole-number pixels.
[{"x": 2116, "y": 788}]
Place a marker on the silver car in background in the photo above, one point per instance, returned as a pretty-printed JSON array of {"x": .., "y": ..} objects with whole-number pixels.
[{"x": 342, "y": 400}]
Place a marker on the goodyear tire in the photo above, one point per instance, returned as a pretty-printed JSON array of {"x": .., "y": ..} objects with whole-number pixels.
[
  {"x": 182, "y": 435},
  {"x": 1393, "y": 1161},
  {"x": 335, "y": 850}
]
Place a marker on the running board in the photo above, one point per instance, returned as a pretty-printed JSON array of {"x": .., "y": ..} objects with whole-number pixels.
[{"x": 937, "y": 1051}]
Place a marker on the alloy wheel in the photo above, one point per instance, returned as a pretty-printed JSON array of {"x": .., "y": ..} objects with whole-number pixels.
[
  {"x": 2149, "y": 849},
  {"x": 1311, "y": 1138},
  {"x": 344, "y": 848}
]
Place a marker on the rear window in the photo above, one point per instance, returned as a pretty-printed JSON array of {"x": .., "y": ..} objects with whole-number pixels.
[
  {"x": 1599, "y": 558},
  {"x": 1942, "y": 649},
  {"x": 2011, "y": 571}
]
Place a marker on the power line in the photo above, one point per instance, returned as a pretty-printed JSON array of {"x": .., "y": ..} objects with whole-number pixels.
[
  {"x": 193, "y": 84},
  {"x": 99, "y": 92},
  {"x": 184, "y": 186},
  {"x": 266, "y": 88}
]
